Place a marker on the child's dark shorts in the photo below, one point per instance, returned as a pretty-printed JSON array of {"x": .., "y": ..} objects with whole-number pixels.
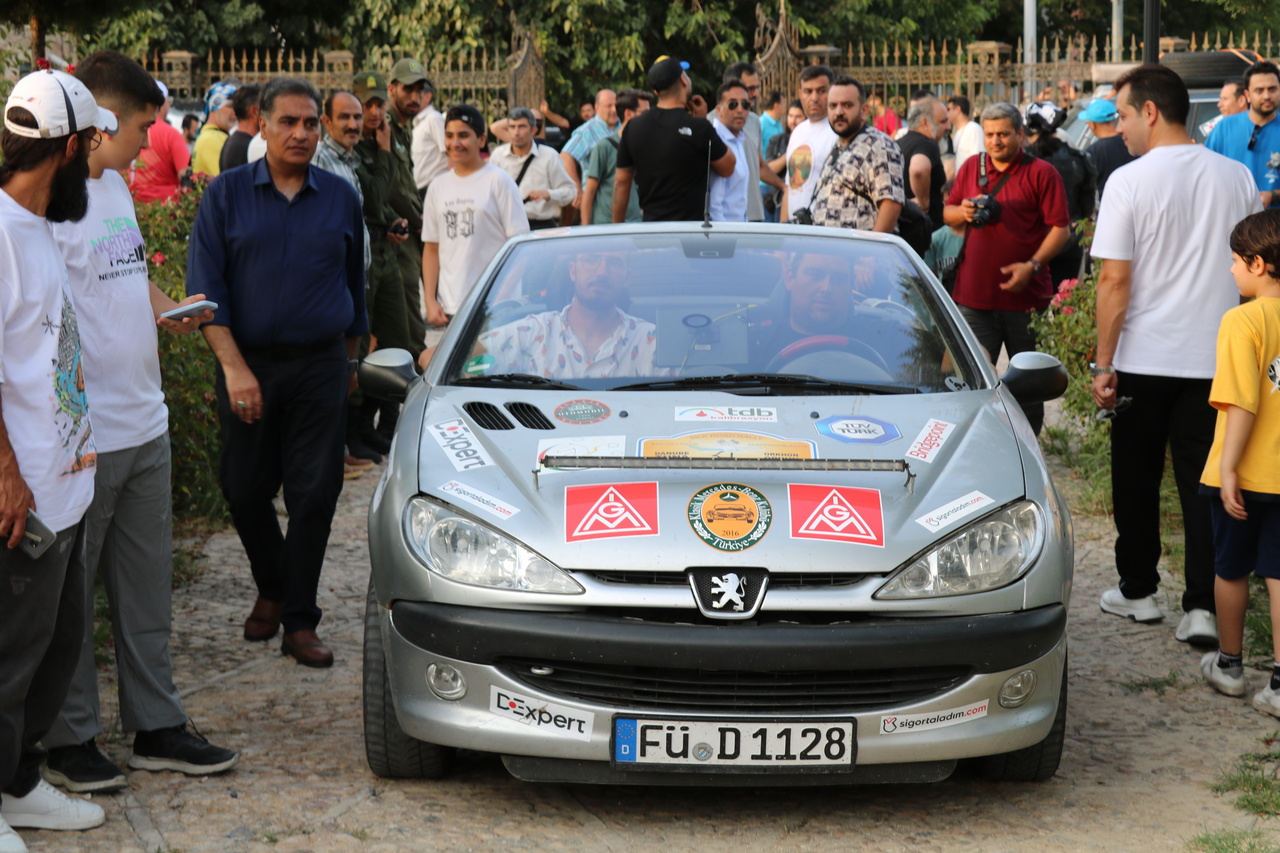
[{"x": 1249, "y": 546}]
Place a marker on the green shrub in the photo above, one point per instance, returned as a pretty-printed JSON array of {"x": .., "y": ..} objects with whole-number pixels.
[{"x": 186, "y": 364}]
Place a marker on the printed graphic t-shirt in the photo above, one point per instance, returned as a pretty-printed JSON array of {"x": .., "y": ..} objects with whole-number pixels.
[
  {"x": 107, "y": 265},
  {"x": 807, "y": 152},
  {"x": 41, "y": 383},
  {"x": 1248, "y": 361},
  {"x": 470, "y": 218}
]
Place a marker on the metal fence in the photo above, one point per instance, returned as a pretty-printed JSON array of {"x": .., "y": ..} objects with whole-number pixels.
[
  {"x": 984, "y": 72},
  {"x": 488, "y": 78}
]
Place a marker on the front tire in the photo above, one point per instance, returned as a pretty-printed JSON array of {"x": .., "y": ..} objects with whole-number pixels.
[
  {"x": 1037, "y": 762},
  {"x": 391, "y": 753}
]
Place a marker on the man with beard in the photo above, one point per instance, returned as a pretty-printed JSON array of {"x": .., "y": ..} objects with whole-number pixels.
[
  {"x": 1253, "y": 137},
  {"x": 279, "y": 245},
  {"x": 861, "y": 184},
  {"x": 47, "y": 451},
  {"x": 591, "y": 338},
  {"x": 128, "y": 527},
  {"x": 408, "y": 90}
]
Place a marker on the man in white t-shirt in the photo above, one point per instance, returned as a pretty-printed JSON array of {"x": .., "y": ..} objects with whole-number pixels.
[
  {"x": 1164, "y": 286},
  {"x": 427, "y": 150},
  {"x": 966, "y": 134},
  {"x": 47, "y": 450},
  {"x": 811, "y": 142},
  {"x": 128, "y": 529},
  {"x": 469, "y": 212}
]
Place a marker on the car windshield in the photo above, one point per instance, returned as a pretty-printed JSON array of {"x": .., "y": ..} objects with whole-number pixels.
[{"x": 751, "y": 313}]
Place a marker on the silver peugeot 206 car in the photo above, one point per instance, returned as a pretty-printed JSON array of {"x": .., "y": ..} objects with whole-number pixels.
[{"x": 691, "y": 504}]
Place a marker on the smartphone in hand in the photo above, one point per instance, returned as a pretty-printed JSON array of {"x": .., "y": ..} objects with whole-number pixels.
[
  {"x": 184, "y": 311},
  {"x": 37, "y": 538}
]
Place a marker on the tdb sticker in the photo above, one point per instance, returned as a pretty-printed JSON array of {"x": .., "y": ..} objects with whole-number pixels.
[{"x": 858, "y": 430}]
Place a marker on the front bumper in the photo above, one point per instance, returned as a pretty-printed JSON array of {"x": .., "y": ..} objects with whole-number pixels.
[{"x": 475, "y": 641}]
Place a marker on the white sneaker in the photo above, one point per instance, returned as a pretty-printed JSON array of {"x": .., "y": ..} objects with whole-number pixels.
[
  {"x": 1199, "y": 628},
  {"x": 9, "y": 840},
  {"x": 1228, "y": 681},
  {"x": 48, "y": 808},
  {"x": 1138, "y": 609},
  {"x": 1267, "y": 701}
]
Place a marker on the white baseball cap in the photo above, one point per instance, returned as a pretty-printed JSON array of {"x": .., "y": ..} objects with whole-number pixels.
[{"x": 61, "y": 105}]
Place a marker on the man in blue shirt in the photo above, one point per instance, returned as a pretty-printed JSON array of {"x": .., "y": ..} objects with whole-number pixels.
[
  {"x": 280, "y": 247},
  {"x": 1253, "y": 137},
  {"x": 576, "y": 154}
]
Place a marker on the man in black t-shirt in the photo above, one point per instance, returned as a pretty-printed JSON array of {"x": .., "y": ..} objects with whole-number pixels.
[
  {"x": 922, "y": 173},
  {"x": 245, "y": 103},
  {"x": 666, "y": 152}
]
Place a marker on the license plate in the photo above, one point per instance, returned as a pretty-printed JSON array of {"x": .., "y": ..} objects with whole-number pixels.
[{"x": 784, "y": 746}]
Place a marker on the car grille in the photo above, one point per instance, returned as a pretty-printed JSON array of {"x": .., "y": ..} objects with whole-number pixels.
[
  {"x": 776, "y": 580},
  {"x": 488, "y": 416},
  {"x": 742, "y": 691}
]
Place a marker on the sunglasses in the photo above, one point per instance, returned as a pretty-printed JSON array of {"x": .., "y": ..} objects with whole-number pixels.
[
  {"x": 734, "y": 104},
  {"x": 1122, "y": 404},
  {"x": 1253, "y": 137}
]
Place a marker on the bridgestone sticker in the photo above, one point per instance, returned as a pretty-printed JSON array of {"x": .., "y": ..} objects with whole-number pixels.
[
  {"x": 729, "y": 516},
  {"x": 477, "y": 498},
  {"x": 544, "y": 716},
  {"x": 897, "y": 723},
  {"x": 930, "y": 440},
  {"x": 460, "y": 444},
  {"x": 945, "y": 516}
]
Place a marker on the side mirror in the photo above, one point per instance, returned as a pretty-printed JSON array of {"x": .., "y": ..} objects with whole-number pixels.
[
  {"x": 387, "y": 374},
  {"x": 1035, "y": 377}
]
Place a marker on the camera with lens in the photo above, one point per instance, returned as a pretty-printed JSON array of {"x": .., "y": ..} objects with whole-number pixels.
[
  {"x": 988, "y": 211},
  {"x": 802, "y": 216}
]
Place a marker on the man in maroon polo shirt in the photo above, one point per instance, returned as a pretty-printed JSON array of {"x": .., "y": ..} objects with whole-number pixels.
[{"x": 1003, "y": 272}]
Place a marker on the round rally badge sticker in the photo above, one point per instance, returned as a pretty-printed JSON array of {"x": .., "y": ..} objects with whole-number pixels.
[
  {"x": 729, "y": 516},
  {"x": 582, "y": 412}
]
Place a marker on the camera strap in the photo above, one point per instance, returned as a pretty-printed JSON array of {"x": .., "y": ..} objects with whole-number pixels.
[{"x": 983, "y": 180}]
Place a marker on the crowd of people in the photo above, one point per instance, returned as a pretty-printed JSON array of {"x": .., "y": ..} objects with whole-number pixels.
[{"x": 336, "y": 225}]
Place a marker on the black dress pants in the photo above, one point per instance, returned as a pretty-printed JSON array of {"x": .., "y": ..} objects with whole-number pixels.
[
  {"x": 297, "y": 444},
  {"x": 1173, "y": 412}
]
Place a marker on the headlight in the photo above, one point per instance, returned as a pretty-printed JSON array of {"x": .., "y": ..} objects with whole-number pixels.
[
  {"x": 464, "y": 550},
  {"x": 987, "y": 555}
]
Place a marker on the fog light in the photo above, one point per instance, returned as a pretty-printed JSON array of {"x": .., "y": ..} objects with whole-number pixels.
[
  {"x": 446, "y": 682},
  {"x": 1017, "y": 689}
]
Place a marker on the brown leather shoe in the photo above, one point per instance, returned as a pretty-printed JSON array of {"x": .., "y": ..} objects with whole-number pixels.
[
  {"x": 263, "y": 621},
  {"x": 305, "y": 647}
]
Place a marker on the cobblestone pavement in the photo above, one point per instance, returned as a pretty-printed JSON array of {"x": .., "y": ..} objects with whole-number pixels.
[{"x": 1135, "y": 774}]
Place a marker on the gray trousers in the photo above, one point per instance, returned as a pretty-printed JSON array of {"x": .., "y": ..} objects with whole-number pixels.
[
  {"x": 129, "y": 541},
  {"x": 41, "y": 625}
]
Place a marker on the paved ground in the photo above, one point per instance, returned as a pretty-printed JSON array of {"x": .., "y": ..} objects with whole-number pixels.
[{"x": 1135, "y": 775}]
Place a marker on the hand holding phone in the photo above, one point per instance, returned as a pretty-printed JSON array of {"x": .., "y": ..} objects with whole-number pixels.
[
  {"x": 192, "y": 310},
  {"x": 37, "y": 538}
]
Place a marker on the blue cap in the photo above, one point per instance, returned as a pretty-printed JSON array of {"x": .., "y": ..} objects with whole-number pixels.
[
  {"x": 219, "y": 96},
  {"x": 1099, "y": 110}
]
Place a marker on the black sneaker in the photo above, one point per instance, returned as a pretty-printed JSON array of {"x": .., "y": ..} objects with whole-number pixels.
[
  {"x": 180, "y": 748},
  {"x": 82, "y": 768}
]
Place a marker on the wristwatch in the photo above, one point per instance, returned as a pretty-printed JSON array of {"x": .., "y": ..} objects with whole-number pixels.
[
  {"x": 353, "y": 364},
  {"x": 1101, "y": 371},
  {"x": 1036, "y": 266}
]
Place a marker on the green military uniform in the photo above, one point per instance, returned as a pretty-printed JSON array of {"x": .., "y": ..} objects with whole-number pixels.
[{"x": 405, "y": 201}]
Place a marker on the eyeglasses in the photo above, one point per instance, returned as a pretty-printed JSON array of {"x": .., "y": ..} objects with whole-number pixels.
[
  {"x": 734, "y": 104},
  {"x": 752, "y": 90},
  {"x": 1253, "y": 137}
]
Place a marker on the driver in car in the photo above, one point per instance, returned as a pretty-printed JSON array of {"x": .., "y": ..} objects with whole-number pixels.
[{"x": 592, "y": 337}]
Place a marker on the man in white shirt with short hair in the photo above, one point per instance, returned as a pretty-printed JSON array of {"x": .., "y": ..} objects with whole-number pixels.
[
  {"x": 537, "y": 170},
  {"x": 811, "y": 141}
]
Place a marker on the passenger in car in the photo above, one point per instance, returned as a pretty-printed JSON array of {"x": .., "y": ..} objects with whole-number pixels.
[{"x": 592, "y": 337}]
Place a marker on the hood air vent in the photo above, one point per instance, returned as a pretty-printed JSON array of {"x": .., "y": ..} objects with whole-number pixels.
[
  {"x": 529, "y": 416},
  {"x": 488, "y": 416}
]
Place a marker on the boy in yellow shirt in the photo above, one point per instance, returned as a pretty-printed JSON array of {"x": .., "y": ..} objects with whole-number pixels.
[{"x": 1243, "y": 468}]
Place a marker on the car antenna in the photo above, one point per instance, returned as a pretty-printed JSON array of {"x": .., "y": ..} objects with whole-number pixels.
[{"x": 706, "y": 205}]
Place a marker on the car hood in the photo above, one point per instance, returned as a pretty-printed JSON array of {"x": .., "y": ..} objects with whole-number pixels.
[{"x": 486, "y": 452}]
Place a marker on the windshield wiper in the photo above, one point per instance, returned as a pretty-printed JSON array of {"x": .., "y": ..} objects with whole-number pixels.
[
  {"x": 516, "y": 380},
  {"x": 768, "y": 384}
]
